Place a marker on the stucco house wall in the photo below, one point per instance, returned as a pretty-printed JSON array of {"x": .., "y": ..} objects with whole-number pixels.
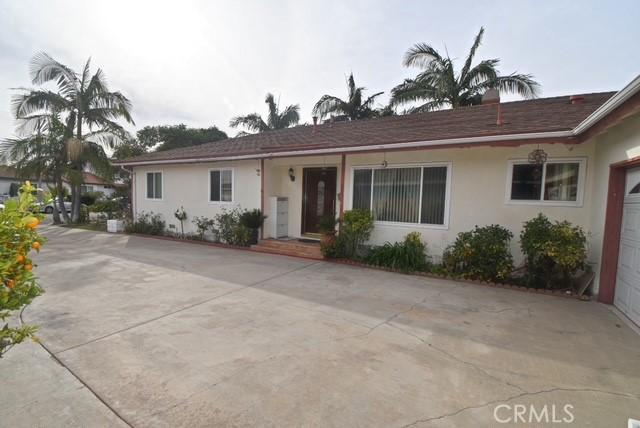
[
  {"x": 620, "y": 143},
  {"x": 478, "y": 194},
  {"x": 187, "y": 185}
]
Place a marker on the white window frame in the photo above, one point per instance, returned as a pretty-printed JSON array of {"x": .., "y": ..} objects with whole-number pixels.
[
  {"x": 146, "y": 179},
  {"x": 582, "y": 174},
  {"x": 86, "y": 186},
  {"x": 447, "y": 196},
  {"x": 233, "y": 185}
]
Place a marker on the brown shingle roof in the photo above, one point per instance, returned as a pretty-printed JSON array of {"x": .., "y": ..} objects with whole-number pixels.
[{"x": 520, "y": 117}]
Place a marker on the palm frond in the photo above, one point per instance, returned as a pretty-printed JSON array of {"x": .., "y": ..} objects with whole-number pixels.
[
  {"x": 253, "y": 122},
  {"x": 328, "y": 104},
  {"x": 485, "y": 70},
  {"x": 410, "y": 91},
  {"x": 45, "y": 69},
  {"x": 37, "y": 101},
  {"x": 369, "y": 101},
  {"x": 472, "y": 53},
  {"x": 521, "y": 84},
  {"x": 84, "y": 79},
  {"x": 290, "y": 116},
  {"x": 419, "y": 55}
]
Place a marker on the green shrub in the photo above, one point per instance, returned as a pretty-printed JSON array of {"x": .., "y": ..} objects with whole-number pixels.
[
  {"x": 203, "y": 224},
  {"x": 553, "y": 252},
  {"x": 252, "y": 219},
  {"x": 410, "y": 255},
  {"x": 327, "y": 224},
  {"x": 482, "y": 253},
  {"x": 355, "y": 229},
  {"x": 147, "y": 223},
  {"x": 110, "y": 207},
  {"x": 90, "y": 198},
  {"x": 230, "y": 229}
]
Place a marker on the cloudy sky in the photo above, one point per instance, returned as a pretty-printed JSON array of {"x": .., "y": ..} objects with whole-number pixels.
[{"x": 203, "y": 62}]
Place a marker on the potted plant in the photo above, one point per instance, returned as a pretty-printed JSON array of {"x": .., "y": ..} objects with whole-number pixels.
[
  {"x": 253, "y": 220},
  {"x": 327, "y": 227}
]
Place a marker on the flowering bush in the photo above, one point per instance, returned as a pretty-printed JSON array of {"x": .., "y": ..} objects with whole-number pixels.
[{"x": 18, "y": 286}]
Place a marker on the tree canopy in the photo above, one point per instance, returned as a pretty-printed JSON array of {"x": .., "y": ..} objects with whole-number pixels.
[{"x": 167, "y": 137}]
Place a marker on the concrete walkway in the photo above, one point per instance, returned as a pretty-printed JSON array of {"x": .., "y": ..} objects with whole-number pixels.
[{"x": 152, "y": 333}]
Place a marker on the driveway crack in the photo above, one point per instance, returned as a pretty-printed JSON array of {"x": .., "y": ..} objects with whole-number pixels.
[{"x": 521, "y": 395}]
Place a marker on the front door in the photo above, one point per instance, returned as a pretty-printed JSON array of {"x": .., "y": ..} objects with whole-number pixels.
[
  {"x": 627, "y": 295},
  {"x": 318, "y": 196}
]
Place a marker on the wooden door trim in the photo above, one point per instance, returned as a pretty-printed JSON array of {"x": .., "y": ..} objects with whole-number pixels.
[{"x": 304, "y": 188}]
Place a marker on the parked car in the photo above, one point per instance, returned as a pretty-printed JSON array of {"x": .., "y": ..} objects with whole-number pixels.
[{"x": 47, "y": 208}]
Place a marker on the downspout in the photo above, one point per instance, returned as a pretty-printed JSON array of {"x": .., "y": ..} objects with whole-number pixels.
[
  {"x": 262, "y": 195},
  {"x": 343, "y": 167}
]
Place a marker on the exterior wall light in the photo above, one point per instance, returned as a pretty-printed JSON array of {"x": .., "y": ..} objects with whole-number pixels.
[{"x": 292, "y": 175}]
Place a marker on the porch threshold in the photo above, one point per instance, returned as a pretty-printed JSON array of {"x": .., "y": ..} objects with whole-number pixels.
[{"x": 290, "y": 247}]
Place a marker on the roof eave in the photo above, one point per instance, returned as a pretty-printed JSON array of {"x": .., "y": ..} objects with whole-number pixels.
[{"x": 610, "y": 105}]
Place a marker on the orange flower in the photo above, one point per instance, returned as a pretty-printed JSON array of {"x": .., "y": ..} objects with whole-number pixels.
[
  {"x": 33, "y": 223},
  {"x": 20, "y": 258},
  {"x": 28, "y": 266}
]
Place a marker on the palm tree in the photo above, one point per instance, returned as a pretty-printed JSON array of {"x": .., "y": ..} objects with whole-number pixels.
[
  {"x": 88, "y": 109},
  {"x": 354, "y": 107},
  {"x": 439, "y": 85},
  {"x": 41, "y": 155},
  {"x": 277, "y": 119}
]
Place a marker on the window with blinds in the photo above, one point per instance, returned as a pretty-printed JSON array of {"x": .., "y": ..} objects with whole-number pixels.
[{"x": 403, "y": 194}]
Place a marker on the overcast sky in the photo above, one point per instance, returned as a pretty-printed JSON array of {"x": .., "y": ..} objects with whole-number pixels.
[{"x": 203, "y": 62}]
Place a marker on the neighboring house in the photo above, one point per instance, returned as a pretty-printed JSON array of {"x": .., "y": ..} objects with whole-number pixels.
[
  {"x": 94, "y": 183},
  {"x": 8, "y": 177},
  {"x": 439, "y": 173},
  {"x": 91, "y": 182}
]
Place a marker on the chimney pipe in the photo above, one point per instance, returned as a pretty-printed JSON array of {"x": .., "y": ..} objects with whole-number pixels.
[
  {"x": 499, "y": 121},
  {"x": 575, "y": 99},
  {"x": 315, "y": 122}
]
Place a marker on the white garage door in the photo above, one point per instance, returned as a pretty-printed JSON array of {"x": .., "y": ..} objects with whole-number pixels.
[{"x": 627, "y": 295}]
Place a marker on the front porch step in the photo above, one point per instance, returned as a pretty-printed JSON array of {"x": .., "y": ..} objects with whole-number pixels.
[{"x": 289, "y": 248}]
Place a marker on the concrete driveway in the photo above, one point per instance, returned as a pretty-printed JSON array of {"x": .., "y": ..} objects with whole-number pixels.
[{"x": 152, "y": 333}]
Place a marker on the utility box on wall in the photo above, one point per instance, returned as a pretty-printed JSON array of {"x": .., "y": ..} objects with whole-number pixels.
[{"x": 278, "y": 216}]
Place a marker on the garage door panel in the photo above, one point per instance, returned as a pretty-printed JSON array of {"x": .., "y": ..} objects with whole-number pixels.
[{"x": 627, "y": 292}]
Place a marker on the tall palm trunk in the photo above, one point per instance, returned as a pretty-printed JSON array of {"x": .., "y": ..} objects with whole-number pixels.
[
  {"x": 56, "y": 213},
  {"x": 60, "y": 198}
]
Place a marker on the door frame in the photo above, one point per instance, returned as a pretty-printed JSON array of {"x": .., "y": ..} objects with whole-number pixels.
[
  {"x": 613, "y": 228},
  {"x": 304, "y": 197}
]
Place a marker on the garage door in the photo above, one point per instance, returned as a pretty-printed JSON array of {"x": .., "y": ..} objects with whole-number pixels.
[{"x": 627, "y": 295}]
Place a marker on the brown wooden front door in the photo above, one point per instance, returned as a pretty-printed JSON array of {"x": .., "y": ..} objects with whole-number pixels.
[{"x": 318, "y": 196}]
